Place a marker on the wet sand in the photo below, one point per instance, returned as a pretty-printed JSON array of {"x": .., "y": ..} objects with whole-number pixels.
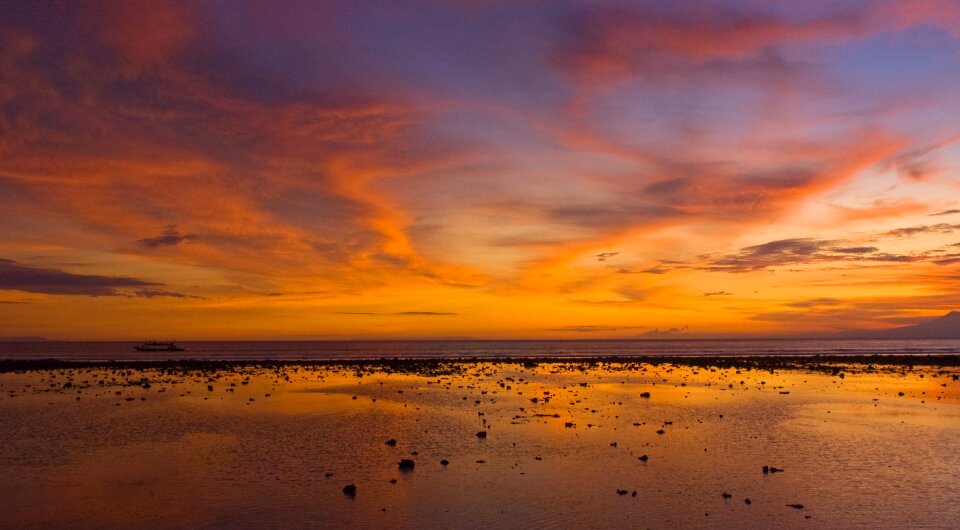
[{"x": 862, "y": 442}]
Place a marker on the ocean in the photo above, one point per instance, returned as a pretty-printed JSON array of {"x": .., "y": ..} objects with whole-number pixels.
[{"x": 485, "y": 349}]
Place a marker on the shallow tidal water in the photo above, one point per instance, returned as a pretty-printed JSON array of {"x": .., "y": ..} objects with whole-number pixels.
[{"x": 274, "y": 447}]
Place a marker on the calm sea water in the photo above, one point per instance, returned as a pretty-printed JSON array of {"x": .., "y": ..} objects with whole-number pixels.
[{"x": 319, "y": 350}]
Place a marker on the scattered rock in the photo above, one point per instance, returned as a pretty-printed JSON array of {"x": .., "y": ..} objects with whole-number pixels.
[
  {"x": 645, "y": 394},
  {"x": 726, "y": 495},
  {"x": 643, "y": 458},
  {"x": 747, "y": 501},
  {"x": 660, "y": 431},
  {"x": 797, "y": 506},
  {"x": 622, "y": 492},
  {"x": 482, "y": 434},
  {"x": 406, "y": 464},
  {"x": 391, "y": 442},
  {"x": 350, "y": 490}
]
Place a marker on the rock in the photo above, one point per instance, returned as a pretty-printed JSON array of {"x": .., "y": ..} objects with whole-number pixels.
[
  {"x": 622, "y": 492},
  {"x": 766, "y": 469},
  {"x": 634, "y": 493},
  {"x": 645, "y": 394},
  {"x": 643, "y": 458},
  {"x": 746, "y": 501},
  {"x": 391, "y": 442},
  {"x": 406, "y": 464},
  {"x": 569, "y": 425},
  {"x": 482, "y": 434},
  {"x": 660, "y": 431},
  {"x": 393, "y": 481},
  {"x": 444, "y": 462},
  {"x": 726, "y": 495},
  {"x": 797, "y": 506},
  {"x": 350, "y": 490},
  {"x": 775, "y": 470}
]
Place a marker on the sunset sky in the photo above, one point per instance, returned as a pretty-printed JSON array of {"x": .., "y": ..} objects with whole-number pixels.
[{"x": 487, "y": 169}]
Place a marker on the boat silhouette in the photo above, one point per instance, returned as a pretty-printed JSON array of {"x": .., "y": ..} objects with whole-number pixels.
[{"x": 154, "y": 346}]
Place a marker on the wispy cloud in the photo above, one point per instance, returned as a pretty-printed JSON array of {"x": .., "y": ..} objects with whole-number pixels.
[
  {"x": 945, "y": 212},
  {"x": 14, "y": 276},
  {"x": 801, "y": 251},
  {"x": 593, "y": 329},
  {"x": 940, "y": 228},
  {"x": 169, "y": 237},
  {"x": 399, "y": 313}
]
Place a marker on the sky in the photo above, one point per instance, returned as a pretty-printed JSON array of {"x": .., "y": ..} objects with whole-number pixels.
[{"x": 483, "y": 169}]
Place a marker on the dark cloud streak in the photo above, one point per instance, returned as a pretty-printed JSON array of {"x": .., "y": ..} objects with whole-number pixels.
[
  {"x": 17, "y": 277},
  {"x": 169, "y": 237}
]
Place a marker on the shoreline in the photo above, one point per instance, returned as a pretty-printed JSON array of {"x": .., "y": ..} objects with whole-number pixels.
[{"x": 817, "y": 363}]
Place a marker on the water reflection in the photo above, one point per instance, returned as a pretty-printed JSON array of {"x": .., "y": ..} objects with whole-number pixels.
[{"x": 272, "y": 447}]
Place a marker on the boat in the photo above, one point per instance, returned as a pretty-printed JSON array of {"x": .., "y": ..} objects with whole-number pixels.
[{"x": 155, "y": 346}]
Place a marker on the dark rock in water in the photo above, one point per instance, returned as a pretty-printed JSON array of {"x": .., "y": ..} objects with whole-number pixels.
[
  {"x": 406, "y": 464},
  {"x": 643, "y": 458},
  {"x": 726, "y": 495},
  {"x": 797, "y": 506},
  {"x": 746, "y": 501},
  {"x": 391, "y": 442},
  {"x": 766, "y": 469},
  {"x": 482, "y": 434},
  {"x": 622, "y": 492},
  {"x": 645, "y": 394},
  {"x": 444, "y": 462},
  {"x": 350, "y": 490}
]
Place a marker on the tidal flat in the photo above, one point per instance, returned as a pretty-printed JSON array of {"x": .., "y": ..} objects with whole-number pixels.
[{"x": 670, "y": 443}]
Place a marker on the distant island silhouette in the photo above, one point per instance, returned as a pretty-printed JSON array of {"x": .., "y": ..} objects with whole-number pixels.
[{"x": 945, "y": 327}]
